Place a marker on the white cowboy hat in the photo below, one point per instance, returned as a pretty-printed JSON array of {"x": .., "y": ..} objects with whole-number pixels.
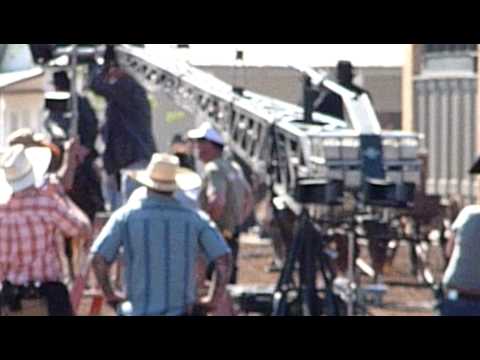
[
  {"x": 21, "y": 168},
  {"x": 27, "y": 137},
  {"x": 206, "y": 132},
  {"x": 165, "y": 175}
]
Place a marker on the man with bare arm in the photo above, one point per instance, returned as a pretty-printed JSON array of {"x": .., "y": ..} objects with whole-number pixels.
[{"x": 161, "y": 239}]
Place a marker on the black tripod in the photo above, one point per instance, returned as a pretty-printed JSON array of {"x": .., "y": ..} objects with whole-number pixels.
[
  {"x": 308, "y": 238},
  {"x": 307, "y": 247}
]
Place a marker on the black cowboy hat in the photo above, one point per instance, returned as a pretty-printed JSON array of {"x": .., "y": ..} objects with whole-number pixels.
[{"x": 475, "y": 168}]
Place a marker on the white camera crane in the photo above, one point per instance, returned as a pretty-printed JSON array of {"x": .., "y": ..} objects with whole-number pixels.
[
  {"x": 285, "y": 143},
  {"x": 323, "y": 149}
]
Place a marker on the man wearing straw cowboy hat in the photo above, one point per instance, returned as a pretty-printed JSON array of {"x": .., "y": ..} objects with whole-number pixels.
[
  {"x": 31, "y": 214},
  {"x": 161, "y": 239}
]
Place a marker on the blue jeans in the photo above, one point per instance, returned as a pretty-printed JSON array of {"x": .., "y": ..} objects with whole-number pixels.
[
  {"x": 128, "y": 184},
  {"x": 112, "y": 196},
  {"x": 459, "y": 307},
  {"x": 115, "y": 198}
]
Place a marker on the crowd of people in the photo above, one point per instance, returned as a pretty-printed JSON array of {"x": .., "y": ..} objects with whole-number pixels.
[{"x": 175, "y": 232}]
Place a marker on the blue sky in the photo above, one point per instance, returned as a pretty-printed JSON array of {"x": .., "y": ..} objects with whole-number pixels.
[{"x": 302, "y": 54}]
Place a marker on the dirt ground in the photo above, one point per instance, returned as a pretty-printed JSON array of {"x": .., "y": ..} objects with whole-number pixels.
[{"x": 404, "y": 297}]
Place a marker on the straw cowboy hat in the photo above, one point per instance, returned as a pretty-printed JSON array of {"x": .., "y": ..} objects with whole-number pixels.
[
  {"x": 21, "y": 168},
  {"x": 165, "y": 175}
]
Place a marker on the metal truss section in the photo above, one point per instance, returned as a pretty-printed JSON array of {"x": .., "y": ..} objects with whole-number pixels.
[{"x": 252, "y": 124}]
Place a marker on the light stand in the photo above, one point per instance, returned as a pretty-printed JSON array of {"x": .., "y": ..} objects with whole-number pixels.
[
  {"x": 73, "y": 91},
  {"x": 351, "y": 272}
]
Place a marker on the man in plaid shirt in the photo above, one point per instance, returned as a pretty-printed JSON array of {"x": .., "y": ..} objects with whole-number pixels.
[{"x": 32, "y": 213}]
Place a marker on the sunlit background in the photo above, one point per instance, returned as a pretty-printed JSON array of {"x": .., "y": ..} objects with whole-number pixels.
[{"x": 286, "y": 54}]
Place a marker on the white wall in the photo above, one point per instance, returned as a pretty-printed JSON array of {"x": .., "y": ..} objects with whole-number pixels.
[
  {"x": 19, "y": 110},
  {"x": 16, "y": 57},
  {"x": 2, "y": 120}
]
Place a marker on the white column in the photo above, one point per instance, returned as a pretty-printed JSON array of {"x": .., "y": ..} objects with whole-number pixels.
[{"x": 2, "y": 121}]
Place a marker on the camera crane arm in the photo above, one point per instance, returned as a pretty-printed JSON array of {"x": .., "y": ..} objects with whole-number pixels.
[
  {"x": 323, "y": 149},
  {"x": 359, "y": 106}
]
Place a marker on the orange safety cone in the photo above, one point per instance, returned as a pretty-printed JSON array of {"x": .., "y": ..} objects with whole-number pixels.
[{"x": 96, "y": 306}]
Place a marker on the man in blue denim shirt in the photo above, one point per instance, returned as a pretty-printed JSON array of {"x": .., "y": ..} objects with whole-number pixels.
[{"x": 161, "y": 239}]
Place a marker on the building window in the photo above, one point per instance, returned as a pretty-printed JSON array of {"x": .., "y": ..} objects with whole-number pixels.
[
  {"x": 459, "y": 58},
  {"x": 449, "y": 48}
]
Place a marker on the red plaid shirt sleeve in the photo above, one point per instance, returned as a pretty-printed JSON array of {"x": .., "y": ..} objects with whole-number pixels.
[
  {"x": 28, "y": 224},
  {"x": 66, "y": 219}
]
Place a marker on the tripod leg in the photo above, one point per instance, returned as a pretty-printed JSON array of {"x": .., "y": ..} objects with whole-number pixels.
[
  {"x": 443, "y": 243},
  {"x": 308, "y": 269},
  {"x": 413, "y": 256},
  {"x": 326, "y": 270},
  {"x": 282, "y": 234},
  {"x": 351, "y": 271},
  {"x": 280, "y": 301},
  {"x": 422, "y": 249}
]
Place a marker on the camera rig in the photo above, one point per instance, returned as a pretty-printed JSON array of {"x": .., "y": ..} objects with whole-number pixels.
[
  {"x": 364, "y": 158},
  {"x": 313, "y": 162},
  {"x": 309, "y": 159}
]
